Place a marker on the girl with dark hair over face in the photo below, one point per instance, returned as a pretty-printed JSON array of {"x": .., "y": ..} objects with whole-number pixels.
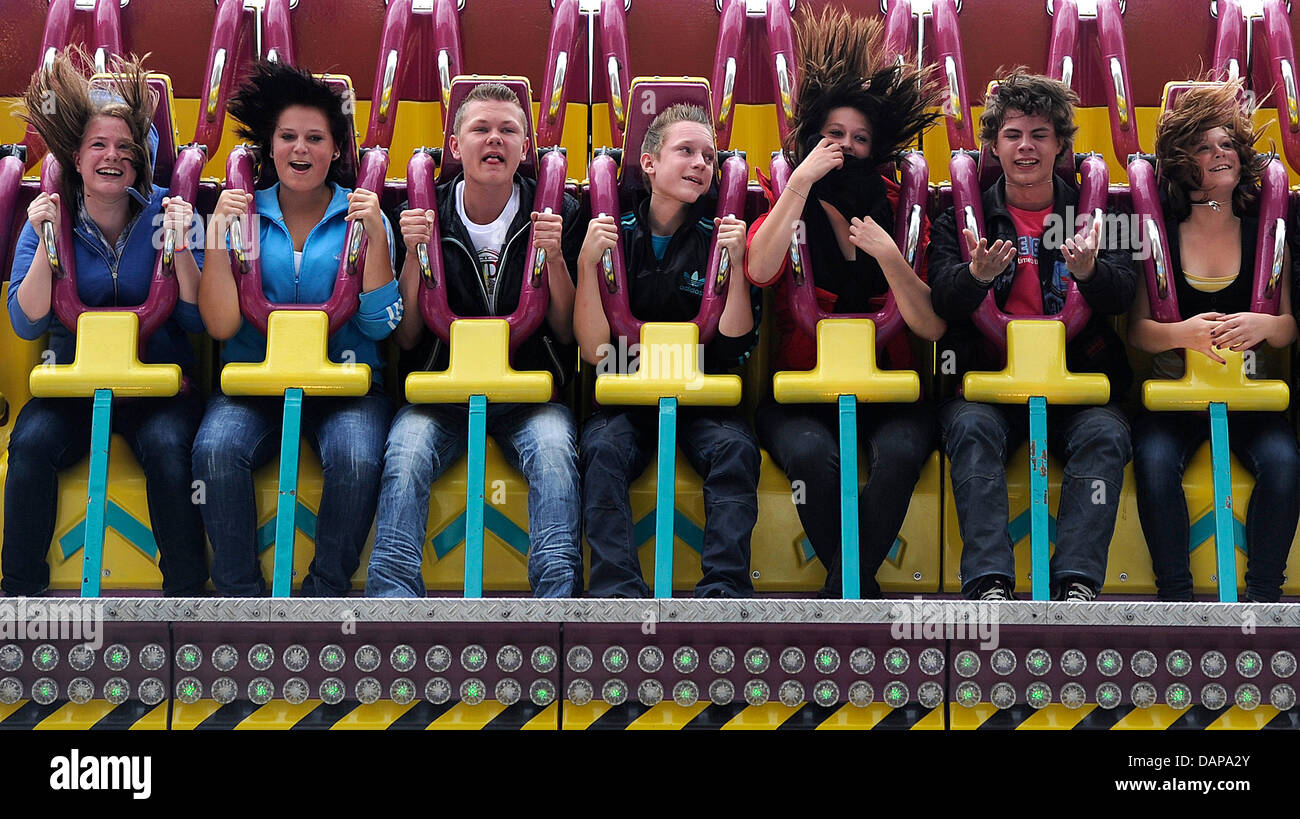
[
  {"x": 104, "y": 143},
  {"x": 299, "y": 125},
  {"x": 1205, "y": 147},
  {"x": 853, "y": 115}
]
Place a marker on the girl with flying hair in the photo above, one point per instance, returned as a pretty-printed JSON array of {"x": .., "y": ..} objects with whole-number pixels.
[
  {"x": 103, "y": 141},
  {"x": 855, "y": 113},
  {"x": 1209, "y": 174},
  {"x": 299, "y": 126}
]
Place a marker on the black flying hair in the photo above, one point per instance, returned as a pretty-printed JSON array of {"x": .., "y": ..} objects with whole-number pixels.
[
  {"x": 273, "y": 87},
  {"x": 837, "y": 56}
]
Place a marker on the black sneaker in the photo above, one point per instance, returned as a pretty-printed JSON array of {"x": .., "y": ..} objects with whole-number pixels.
[
  {"x": 994, "y": 588},
  {"x": 1076, "y": 591}
]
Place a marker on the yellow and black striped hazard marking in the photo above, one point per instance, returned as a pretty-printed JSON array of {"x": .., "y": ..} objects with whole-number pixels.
[
  {"x": 772, "y": 716},
  {"x": 1092, "y": 717},
  {"x": 490, "y": 715},
  {"x": 96, "y": 715}
]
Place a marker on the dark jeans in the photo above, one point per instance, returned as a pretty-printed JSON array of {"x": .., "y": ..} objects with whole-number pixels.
[
  {"x": 53, "y": 434},
  {"x": 240, "y": 434},
  {"x": 803, "y": 439},
  {"x": 617, "y": 445},
  {"x": 1264, "y": 443},
  {"x": 1095, "y": 445}
]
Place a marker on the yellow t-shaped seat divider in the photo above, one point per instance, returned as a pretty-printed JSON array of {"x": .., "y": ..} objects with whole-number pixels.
[
  {"x": 106, "y": 359},
  {"x": 1206, "y": 381},
  {"x": 297, "y": 344},
  {"x": 479, "y": 365},
  {"x": 669, "y": 368}
]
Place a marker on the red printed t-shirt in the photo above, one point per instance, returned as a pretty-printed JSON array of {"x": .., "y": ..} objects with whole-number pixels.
[{"x": 1026, "y": 297}]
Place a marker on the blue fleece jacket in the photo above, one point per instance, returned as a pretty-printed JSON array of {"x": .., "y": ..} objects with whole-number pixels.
[
  {"x": 97, "y": 287},
  {"x": 380, "y": 309}
]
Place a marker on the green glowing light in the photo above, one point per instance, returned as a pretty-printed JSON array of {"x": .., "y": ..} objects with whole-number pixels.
[
  {"x": 115, "y": 690},
  {"x": 1177, "y": 696},
  {"x": 825, "y": 694},
  {"x": 617, "y": 659},
  {"x": 190, "y": 657},
  {"x": 1038, "y": 662},
  {"x": 332, "y": 657},
  {"x": 1038, "y": 695},
  {"x": 967, "y": 694},
  {"x": 117, "y": 656},
  {"x": 896, "y": 660},
  {"x": 332, "y": 689},
  {"x": 261, "y": 656},
  {"x": 475, "y": 657},
  {"x": 1248, "y": 662},
  {"x": 1247, "y": 696},
  {"x": 1109, "y": 662},
  {"x": 543, "y": 694},
  {"x": 189, "y": 690},
  {"x": 472, "y": 691},
  {"x": 261, "y": 691},
  {"x": 1178, "y": 662},
  {"x": 826, "y": 660},
  {"x": 615, "y": 691},
  {"x": 1108, "y": 695},
  {"x": 756, "y": 692},
  {"x": 45, "y": 656},
  {"x": 45, "y": 690},
  {"x": 967, "y": 661},
  {"x": 544, "y": 660}
]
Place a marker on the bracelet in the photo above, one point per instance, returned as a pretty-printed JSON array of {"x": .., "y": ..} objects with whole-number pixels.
[{"x": 796, "y": 192}]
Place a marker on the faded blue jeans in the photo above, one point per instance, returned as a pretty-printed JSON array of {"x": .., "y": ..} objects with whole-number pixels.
[
  {"x": 1095, "y": 445},
  {"x": 240, "y": 434},
  {"x": 537, "y": 439}
]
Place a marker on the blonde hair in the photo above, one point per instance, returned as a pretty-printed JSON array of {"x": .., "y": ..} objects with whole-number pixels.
[{"x": 59, "y": 103}]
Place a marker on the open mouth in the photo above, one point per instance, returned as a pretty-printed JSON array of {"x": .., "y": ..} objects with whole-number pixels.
[
  {"x": 694, "y": 180},
  {"x": 299, "y": 166},
  {"x": 494, "y": 159},
  {"x": 110, "y": 172},
  {"x": 1026, "y": 163},
  {"x": 1218, "y": 168}
]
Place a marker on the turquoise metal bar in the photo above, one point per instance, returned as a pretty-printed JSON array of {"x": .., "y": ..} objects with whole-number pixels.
[
  {"x": 849, "y": 569},
  {"x": 1221, "y": 466},
  {"x": 475, "y": 482},
  {"x": 92, "y": 559},
  {"x": 286, "y": 505},
  {"x": 1039, "y": 559},
  {"x": 665, "y": 497}
]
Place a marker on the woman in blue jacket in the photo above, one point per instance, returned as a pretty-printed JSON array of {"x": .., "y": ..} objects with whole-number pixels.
[
  {"x": 104, "y": 143},
  {"x": 299, "y": 124}
]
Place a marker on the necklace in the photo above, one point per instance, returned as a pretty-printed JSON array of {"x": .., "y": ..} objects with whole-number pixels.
[{"x": 1217, "y": 207}]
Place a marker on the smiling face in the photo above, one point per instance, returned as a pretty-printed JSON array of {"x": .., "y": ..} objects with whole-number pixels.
[
  {"x": 1027, "y": 147},
  {"x": 1217, "y": 161},
  {"x": 683, "y": 169},
  {"x": 850, "y": 130},
  {"x": 105, "y": 159},
  {"x": 303, "y": 148},
  {"x": 491, "y": 142}
]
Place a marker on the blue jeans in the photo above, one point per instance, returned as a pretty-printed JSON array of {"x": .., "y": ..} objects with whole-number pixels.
[
  {"x": 536, "y": 439},
  {"x": 1266, "y": 445},
  {"x": 240, "y": 434},
  {"x": 1094, "y": 442},
  {"x": 617, "y": 445},
  {"x": 804, "y": 440},
  {"x": 53, "y": 434}
]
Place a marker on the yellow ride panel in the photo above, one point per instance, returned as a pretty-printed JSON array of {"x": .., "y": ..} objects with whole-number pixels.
[
  {"x": 106, "y": 359},
  {"x": 1206, "y": 381},
  {"x": 670, "y": 368},
  {"x": 836, "y": 375},
  {"x": 296, "y": 356},
  {"x": 1036, "y": 367},
  {"x": 479, "y": 365}
]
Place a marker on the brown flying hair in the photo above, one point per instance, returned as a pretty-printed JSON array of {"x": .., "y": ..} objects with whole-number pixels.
[
  {"x": 59, "y": 104},
  {"x": 275, "y": 86},
  {"x": 838, "y": 67},
  {"x": 1033, "y": 95},
  {"x": 1179, "y": 132}
]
